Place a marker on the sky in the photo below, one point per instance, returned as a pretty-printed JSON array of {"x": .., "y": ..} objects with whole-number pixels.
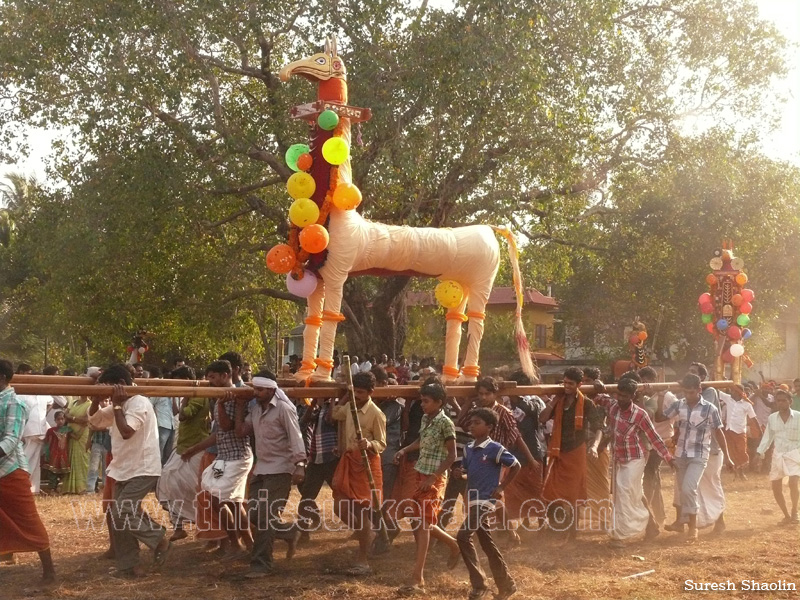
[{"x": 782, "y": 144}]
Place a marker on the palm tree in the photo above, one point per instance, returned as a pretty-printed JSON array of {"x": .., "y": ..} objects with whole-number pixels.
[{"x": 16, "y": 194}]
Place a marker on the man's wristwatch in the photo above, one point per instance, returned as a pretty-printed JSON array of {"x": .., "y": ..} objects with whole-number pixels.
[
  {"x": 118, "y": 407},
  {"x": 302, "y": 463}
]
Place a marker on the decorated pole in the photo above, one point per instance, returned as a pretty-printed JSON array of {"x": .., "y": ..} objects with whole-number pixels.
[
  {"x": 376, "y": 496},
  {"x": 726, "y": 311}
]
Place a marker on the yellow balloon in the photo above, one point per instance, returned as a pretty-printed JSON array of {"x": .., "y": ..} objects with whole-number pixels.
[
  {"x": 346, "y": 196},
  {"x": 336, "y": 150},
  {"x": 301, "y": 185},
  {"x": 303, "y": 212},
  {"x": 449, "y": 293}
]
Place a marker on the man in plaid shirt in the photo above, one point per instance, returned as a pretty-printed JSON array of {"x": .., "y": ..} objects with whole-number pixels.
[
  {"x": 698, "y": 421},
  {"x": 632, "y": 515}
]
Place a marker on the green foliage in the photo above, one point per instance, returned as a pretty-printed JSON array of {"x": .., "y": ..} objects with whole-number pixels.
[{"x": 520, "y": 113}]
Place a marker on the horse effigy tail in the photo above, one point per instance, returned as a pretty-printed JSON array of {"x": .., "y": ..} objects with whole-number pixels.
[{"x": 521, "y": 338}]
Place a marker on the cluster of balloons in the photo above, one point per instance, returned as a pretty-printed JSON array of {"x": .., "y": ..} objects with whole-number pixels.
[
  {"x": 304, "y": 213},
  {"x": 636, "y": 337},
  {"x": 449, "y": 293},
  {"x": 734, "y": 327}
]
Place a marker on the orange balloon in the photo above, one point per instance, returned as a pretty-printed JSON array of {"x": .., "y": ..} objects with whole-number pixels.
[
  {"x": 737, "y": 300},
  {"x": 711, "y": 279},
  {"x": 281, "y": 259},
  {"x": 304, "y": 161},
  {"x": 741, "y": 279},
  {"x": 642, "y": 335},
  {"x": 346, "y": 196},
  {"x": 314, "y": 238}
]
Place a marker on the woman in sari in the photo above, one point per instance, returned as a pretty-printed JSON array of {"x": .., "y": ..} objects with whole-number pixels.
[{"x": 78, "y": 421}]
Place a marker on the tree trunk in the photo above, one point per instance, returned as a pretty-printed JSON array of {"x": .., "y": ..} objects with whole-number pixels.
[{"x": 376, "y": 322}]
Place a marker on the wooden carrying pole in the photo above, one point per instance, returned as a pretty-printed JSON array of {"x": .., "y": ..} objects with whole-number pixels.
[
  {"x": 327, "y": 390},
  {"x": 376, "y": 497}
]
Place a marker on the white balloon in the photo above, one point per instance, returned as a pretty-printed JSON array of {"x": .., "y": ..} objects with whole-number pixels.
[{"x": 736, "y": 350}]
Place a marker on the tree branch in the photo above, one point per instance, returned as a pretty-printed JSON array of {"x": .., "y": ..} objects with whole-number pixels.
[{"x": 269, "y": 292}]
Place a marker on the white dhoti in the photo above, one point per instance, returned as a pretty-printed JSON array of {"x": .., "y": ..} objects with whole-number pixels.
[
  {"x": 710, "y": 495},
  {"x": 226, "y": 480},
  {"x": 630, "y": 516},
  {"x": 178, "y": 487},
  {"x": 32, "y": 447},
  {"x": 785, "y": 464}
]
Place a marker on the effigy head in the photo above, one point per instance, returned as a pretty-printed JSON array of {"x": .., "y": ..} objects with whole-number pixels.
[{"x": 318, "y": 67}]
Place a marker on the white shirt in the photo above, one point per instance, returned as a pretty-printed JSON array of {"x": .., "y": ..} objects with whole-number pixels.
[
  {"x": 140, "y": 455},
  {"x": 366, "y": 366},
  {"x": 354, "y": 368},
  {"x": 736, "y": 413},
  {"x": 762, "y": 410},
  {"x": 36, "y": 425},
  {"x": 785, "y": 435},
  {"x": 59, "y": 403}
]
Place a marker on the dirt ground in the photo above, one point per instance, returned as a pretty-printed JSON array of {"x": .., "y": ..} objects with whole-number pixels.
[{"x": 754, "y": 547}]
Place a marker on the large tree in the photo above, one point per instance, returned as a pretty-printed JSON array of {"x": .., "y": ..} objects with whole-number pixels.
[{"x": 498, "y": 112}]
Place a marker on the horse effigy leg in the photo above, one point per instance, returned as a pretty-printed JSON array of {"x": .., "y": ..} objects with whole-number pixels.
[
  {"x": 477, "y": 316},
  {"x": 313, "y": 323},
  {"x": 455, "y": 317},
  {"x": 331, "y": 317}
]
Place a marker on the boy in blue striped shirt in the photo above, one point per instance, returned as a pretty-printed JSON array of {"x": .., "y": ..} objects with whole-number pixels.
[{"x": 482, "y": 463}]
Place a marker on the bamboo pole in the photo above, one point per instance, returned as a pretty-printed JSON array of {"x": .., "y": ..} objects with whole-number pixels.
[
  {"x": 376, "y": 498},
  {"x": 85, "y": 380},
  {"x": 326, "y": 390}
]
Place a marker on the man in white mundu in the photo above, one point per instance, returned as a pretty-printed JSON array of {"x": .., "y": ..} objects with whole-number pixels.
[
  {"x": 629, "y": 422},
  {"x": 33, "y": 436},
  {"x": 783, "y": 428}
]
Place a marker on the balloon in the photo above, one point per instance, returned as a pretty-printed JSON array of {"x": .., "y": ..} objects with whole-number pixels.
[
  {"x": 727, "y": 357},
  {"x": 734, "y": 333},
  {"x": 736, "y": 300},
  {"x": 746, "y": 333},
  {"x": 633, "y": 340},
  {"x": 741, "y": 278},
  {"x": 707, "y": 308},
  {"x": 710, "y": 328},
  {"x": 642, "y": 335},
  {"x": 293, "y": 153},
  {"x": 746, "y": 308},
  {"x": 748, "y": 295},
  {"x": 304, "y": 287},
  {"x": 711, "y": 279},
  {"x": 736, "y": 350},
  {"x": 449, "y": 293},
  {"x": 743, "y": 320},
  {"x": 303, "y": 212},
  {"x": 707, "y": 318},
  {"x": 336, "y": 150},
  {"x": 281, "y": 259},
  {"x": 722, "y": 324},
  {"x": 346, "y": 196},
  {"x": 314, "y": 238},
  {"x": 304, "y": 161},
  {"x": 704, "y": 299},
  {"x": 301, "y": 185},
  {"x": 328, "y": 120}
]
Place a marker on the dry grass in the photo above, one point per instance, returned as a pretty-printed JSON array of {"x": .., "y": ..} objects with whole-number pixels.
[{"x": 754, "y": 547}]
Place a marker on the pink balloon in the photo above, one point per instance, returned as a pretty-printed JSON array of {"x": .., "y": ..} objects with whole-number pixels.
[
  {"x": 304, "y": 287},
  {"x": 746, "y": 308},
  {"x": 735, "y": 333},
  {"x": 748, "y": 295},
  {"x": 706, "y": 308},
  {"x": 704, "y": 299}
]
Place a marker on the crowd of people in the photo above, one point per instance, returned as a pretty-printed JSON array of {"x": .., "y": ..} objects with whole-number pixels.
[{"x": 555, "y": 464}]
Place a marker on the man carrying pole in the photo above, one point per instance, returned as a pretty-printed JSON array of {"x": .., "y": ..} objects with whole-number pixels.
[{"x": 358, "y": 477}]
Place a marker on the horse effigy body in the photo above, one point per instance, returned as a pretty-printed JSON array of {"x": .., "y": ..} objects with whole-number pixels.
[{"x": 467, "y": 257}]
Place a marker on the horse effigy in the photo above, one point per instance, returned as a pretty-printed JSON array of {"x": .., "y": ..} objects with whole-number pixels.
[
  {"x": 726, "y": 309},
  {"x": 330, "y": 241}
]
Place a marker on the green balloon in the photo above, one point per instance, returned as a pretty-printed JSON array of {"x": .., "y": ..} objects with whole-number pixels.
[
  {"x": 328, "y": 120},
  {"x": 293, "y": 153},
  {"x": 743, "y": 320},
  {"x": 707, "y": 318}
]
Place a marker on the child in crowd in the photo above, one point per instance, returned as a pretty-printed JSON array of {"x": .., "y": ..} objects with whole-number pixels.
[
  {"x": 437, "y": 452},
  {"x": 483, "y": 461},
  {"x": 56, "y": 450}
]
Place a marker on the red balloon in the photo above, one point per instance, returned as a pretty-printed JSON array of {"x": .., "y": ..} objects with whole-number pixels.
[
  {"x": 707, "y": 308},
  {"x": 710, "y": 327},
  {"x": 734, "y": 333},
  {"x": 704, "y": 299},
  {"x": 748, "y": 295},
  {"x": 633, "y": 340},
  {"x": 746, "y": 308},
  {"x": 727, "y": 357}
]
